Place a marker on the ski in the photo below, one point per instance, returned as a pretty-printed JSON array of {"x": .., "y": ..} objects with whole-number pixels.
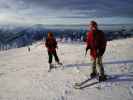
[
  {"x": 80, "y": 84},
  {"x": 55, "y": 66},
  {"x": 59, "y": 66},
  {"x": 83, "y": 84}
]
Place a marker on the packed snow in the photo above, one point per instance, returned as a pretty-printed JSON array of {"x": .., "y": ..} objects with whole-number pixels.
[{"x": 24, "y": 75}]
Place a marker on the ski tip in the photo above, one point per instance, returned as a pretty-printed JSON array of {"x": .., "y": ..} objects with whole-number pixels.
[
  {"x": 77, "y": 84},
  {"x": 76, "y": 87}
]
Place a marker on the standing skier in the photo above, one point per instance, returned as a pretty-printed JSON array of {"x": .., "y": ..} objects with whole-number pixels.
[
  {"x": 96, "y": 42},
  {"x": 51, "y": 46}
]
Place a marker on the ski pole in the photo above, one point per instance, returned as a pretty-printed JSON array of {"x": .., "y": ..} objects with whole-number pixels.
[{"x": 86, "y": 51}]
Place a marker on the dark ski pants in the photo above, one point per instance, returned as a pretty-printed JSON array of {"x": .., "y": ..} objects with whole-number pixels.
[
  {"x": 51, "y": 54},
  {"x": 97, "y": 66}
]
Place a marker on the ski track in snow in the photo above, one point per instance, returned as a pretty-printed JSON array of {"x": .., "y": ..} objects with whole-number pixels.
[{"x": 24, "y": 75}]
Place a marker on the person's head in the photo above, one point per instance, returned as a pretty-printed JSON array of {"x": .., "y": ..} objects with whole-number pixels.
[
  {"x": 93, "y": 25},
  {"x": 50, "y": 35}
]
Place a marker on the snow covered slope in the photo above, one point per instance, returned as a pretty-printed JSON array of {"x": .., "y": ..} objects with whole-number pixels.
[{"x": 24, "y": 75}]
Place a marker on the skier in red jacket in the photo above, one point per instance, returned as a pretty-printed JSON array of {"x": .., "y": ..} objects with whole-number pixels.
[{"x": 96, "y": 42}]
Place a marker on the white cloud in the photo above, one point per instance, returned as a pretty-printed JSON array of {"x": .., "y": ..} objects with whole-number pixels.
[{"x": 67, "y": 12}]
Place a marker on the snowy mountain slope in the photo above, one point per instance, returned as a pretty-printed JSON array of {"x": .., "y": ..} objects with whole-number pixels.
[{"x": 24, "y": 75}]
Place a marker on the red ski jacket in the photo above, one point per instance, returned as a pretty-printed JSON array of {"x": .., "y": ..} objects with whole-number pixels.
[
  {"x": 96, "y": 42},
  {"x": 51, "y": 44}
]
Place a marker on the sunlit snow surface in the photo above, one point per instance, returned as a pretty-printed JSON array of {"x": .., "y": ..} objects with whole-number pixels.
[{"x": 24, "y": 75}]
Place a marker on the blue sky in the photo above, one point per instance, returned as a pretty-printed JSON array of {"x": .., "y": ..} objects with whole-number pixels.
[{"x": 66, "y": 11}]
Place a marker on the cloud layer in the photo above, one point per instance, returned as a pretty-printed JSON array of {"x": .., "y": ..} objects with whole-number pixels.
[{"x": 65, "y": 11}]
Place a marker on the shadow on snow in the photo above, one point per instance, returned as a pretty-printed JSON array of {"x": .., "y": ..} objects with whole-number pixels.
[{"x": 105, "y": 63}]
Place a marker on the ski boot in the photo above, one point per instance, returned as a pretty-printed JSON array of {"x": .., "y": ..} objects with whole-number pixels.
[
  {"x": 102, "y": 78},
  {"x": 59, "y": 63},
  {"x": 51, "y": 66},
  {"x": 93, "y": 75}
]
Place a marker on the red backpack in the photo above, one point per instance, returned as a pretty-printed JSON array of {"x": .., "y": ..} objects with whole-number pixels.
[{"x": 96, "y": 42}]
